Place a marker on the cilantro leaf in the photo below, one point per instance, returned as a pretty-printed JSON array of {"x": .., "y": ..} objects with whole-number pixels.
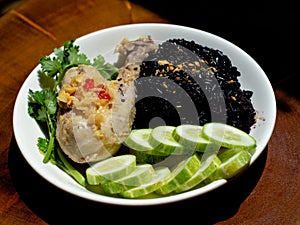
[
  {"x": 76, "y": 58},
  {"x": 107, "y": 70},
  {"x": 63, "y": 59},
  {"x": 51, "y": 67},
  {"x": 41, "y": 103}
]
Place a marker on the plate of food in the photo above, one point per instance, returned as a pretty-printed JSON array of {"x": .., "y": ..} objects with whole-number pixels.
[{"x": 144, "y": 114}]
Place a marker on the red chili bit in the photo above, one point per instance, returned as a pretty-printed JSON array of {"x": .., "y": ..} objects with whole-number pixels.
[
  {"x": 89, "y": 84},
  {"x": 101, "y": 86},
  {"x": 102, "y": 94}
]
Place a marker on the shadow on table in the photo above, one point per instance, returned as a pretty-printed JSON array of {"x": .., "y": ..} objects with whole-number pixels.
[{"x": 56, "y": 206}]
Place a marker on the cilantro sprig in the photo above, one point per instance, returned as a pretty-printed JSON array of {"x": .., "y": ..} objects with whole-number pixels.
[
  {"x": 43, "y": 106},
  {"x": 69, "y": 56}
]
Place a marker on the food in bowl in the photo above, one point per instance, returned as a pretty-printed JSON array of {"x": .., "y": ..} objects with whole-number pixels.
[
  {"x": 206, "y": 75},
  {"x": 95, "y": 115}
]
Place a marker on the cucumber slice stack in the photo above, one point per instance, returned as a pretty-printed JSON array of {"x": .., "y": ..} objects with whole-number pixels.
[
  {"x": 204, "y": 153},
  {"x": 233, "y": 162},
  {"x": 209, "y": 164},
  {"x": 161, "y": 174},
  {"x": 180, "y": 174},
  {"x": 139, "y": 145},
  {"x": 142, "y": 174},
  {"x": 153, "y": 145}
]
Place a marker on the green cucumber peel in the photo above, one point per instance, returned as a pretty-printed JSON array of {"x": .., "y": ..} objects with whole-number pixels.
[
  {"x": 142, "y": 174},
  {"x": 110, "y": 169},
  {"x": 180, "y": 174},
  {"x": 161, "y": 174},
  {"x": 190, "y": 136}
]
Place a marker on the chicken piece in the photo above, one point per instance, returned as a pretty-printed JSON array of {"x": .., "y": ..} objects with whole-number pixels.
[
  {"x": 135, "y": 51},
  {"x": 95, "y": 114}
]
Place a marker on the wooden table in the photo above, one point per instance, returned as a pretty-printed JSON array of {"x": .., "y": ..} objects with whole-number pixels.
[{"x": 267, "y": 193}]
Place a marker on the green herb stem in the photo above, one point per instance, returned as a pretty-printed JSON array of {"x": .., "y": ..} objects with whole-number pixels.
[
  {"x": 51, "y": 131},
  {"x": 49, "y": 148},
  {"x": 69, "y": 169}
]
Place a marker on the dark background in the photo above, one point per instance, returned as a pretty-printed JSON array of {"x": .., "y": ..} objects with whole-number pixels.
[
  {"x": 6, "y": 5},
  {"x": 266, "y": 30}
]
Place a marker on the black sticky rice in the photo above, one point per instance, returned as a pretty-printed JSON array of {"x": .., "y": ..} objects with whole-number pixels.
[{"x": 207, "y": 76}]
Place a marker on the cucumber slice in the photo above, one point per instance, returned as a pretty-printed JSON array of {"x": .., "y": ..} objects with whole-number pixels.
[
  {"x": 209, "y": 164},
  {"x": 138, "y": 143},
  {"x": 162, "y": 140},
  {"x": 180, "y": 174},
  {"x": 233, "y": 162},
  {"x": 138, "y": 139},
  {"x": 228, "y": 136},
  {"x": 150, "y": 157},
  {"x": 142, "y": 174},
  {"x": 224, "y": 154},
  {"x": 161, "y": 174},
  {"x": 190, "y": 136},
  {"x": 110, "y": 169}
]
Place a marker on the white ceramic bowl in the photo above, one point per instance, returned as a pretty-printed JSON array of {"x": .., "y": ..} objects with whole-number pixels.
[{"x": 253, "y": 78}]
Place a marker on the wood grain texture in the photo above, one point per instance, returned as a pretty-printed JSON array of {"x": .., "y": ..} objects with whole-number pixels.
[{"x": 268, "y": 193}]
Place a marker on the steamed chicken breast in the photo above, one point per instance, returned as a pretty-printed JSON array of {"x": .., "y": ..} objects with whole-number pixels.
[{"x": 95, "y": 114}]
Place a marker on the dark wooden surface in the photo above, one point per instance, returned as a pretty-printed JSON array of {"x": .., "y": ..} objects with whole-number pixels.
[{"x": 267, "y": 193}]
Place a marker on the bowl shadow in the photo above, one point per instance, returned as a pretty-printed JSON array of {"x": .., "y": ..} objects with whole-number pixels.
[{"x": 56, "y": 206}]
